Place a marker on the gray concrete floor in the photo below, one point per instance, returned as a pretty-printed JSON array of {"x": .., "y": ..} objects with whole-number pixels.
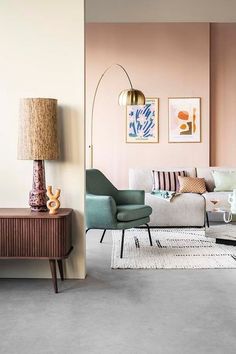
[{"x": 121, "y": 311}]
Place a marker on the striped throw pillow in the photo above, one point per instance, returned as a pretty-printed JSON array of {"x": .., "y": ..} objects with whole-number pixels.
[{"x": 166, "y": 180}]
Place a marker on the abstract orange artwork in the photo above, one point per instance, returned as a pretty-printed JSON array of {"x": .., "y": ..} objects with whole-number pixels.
[{"x": 185, "y": 120}]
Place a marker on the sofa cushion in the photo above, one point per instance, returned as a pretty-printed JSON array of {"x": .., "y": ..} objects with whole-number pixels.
[
  {"x": 132, "y": 212},
  {"x": 206, "y": 172},
  {"x": 187, "y": 209},
  {"x": 224, "y": 180},
  {"x": 166, "y": 180},
  {"x": 220, "y": 197},
  {"x": 192, "y": 185},
  {"x": 140, "y": 178}
]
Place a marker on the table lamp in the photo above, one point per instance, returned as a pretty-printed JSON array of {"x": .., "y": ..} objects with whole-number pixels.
[{"x": 38, "y": 141}]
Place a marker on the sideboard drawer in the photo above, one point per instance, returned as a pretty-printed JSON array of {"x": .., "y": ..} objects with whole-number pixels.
[{"x": 35, "y": 237}]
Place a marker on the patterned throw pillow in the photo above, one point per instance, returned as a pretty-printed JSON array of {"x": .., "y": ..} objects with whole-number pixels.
[
  {"x": 192, "y": 185},
  {"x": 166, "y": 180}
]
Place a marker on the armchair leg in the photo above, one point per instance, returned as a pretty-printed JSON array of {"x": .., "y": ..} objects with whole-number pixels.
[
  {"x": 149, "y": 234},
  {"x": 103, "y": 234},
  {"x": 207, "y": 220},
  {"x": 122, "y": 243}
]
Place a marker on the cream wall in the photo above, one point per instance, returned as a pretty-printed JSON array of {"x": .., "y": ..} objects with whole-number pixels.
[
  {"x": 223, "y": 94},
  {"x": 164, "y": 60},
  {"x": 42, "y": 55}
]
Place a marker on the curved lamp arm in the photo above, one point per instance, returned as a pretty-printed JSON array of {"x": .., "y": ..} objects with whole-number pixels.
[{"x": 136, "y": 92}]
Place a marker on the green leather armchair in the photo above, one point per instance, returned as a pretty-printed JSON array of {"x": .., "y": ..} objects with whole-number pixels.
[{"x": 108, "y": 208}]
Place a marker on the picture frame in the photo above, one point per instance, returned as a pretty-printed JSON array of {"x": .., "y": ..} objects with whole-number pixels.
[
  {"x": 142, "y": 122},
  {"x": 184, "y": 116}
]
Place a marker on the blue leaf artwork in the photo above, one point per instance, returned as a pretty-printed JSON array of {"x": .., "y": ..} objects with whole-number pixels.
[{"x": 142, "y": 122}]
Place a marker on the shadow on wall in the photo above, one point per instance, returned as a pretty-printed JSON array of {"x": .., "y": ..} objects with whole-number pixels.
[
  {"x": 77, "y": 253},
  {"x": 69, "y": 151},
  {"x": 69, "y": 147}
]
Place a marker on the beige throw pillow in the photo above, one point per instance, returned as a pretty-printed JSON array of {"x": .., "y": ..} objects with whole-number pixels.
[{"x": 192, "y": 185}]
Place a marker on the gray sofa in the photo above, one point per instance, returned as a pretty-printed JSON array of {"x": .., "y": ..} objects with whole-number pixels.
[{"x": 185, "y": 210}]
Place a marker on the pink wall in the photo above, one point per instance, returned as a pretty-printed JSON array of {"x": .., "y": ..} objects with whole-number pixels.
[
  {"x": 223, "y": 94},
  {"x": 164, "y": 60}
]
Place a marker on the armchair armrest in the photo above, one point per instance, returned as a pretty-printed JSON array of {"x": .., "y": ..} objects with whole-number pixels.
[
  {"x": 130, "y": 197},
  {"x": 100, "y": 211}
]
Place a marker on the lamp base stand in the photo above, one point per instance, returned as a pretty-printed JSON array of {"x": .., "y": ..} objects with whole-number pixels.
[{"x": 38, "y": 197}]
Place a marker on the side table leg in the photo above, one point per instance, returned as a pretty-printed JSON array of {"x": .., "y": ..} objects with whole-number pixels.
[
  {"x": 60, "y": 267},
  {"x": 52, "y": 263}
]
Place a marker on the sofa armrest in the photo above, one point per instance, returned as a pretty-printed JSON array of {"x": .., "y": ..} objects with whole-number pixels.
[
  {"x": 100, "y": 211},
  {"x": 130, "y": 197}
]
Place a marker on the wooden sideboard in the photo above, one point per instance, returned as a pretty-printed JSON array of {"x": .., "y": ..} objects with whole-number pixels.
[{"x": 36, "y": 235}]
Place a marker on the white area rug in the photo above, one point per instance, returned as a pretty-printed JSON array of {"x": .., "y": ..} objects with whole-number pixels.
[{"x": 173, "y": 249}]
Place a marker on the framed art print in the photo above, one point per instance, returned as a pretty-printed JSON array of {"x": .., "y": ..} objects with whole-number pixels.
[
  {"x": 185, "y": 120},
  {"x": 142, "y": 122}
]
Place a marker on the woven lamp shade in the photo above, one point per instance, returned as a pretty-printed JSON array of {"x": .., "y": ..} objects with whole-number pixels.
[{"x": 38, "y": 129}]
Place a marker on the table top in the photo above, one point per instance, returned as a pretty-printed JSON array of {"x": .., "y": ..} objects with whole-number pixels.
[
  {"x": 222, "y": 231},
  {"x": 219, "y": 210},
  {"x": 26, "y": 213}
]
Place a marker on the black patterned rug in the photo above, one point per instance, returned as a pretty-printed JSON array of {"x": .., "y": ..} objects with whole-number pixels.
[{"x": 172, "y": 249}]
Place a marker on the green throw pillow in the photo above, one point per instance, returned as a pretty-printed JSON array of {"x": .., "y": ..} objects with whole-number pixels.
[{"x": 224, "y": 180}]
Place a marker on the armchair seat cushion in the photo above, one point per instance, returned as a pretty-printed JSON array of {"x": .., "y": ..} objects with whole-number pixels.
[{"x": 132, "y": 212}]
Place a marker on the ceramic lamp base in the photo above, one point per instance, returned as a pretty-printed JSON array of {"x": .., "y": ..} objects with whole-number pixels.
[{"x": 38, "y": 197}]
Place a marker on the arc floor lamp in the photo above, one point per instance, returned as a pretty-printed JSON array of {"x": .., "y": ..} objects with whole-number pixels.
[{"x": 128, "y": 97}]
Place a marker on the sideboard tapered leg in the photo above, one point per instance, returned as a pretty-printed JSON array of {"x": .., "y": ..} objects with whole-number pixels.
[
  {"x": 52, "y": 263},
  {"x": 60, "y": 267}
]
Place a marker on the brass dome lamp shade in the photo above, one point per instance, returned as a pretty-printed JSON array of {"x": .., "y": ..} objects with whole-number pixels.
[
  {"x": 128, "y": 97},
  {"x": 131, "y": 97}
]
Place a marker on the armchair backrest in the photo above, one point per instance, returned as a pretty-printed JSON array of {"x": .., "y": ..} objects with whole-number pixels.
[{"x": 98, "y": 184}]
